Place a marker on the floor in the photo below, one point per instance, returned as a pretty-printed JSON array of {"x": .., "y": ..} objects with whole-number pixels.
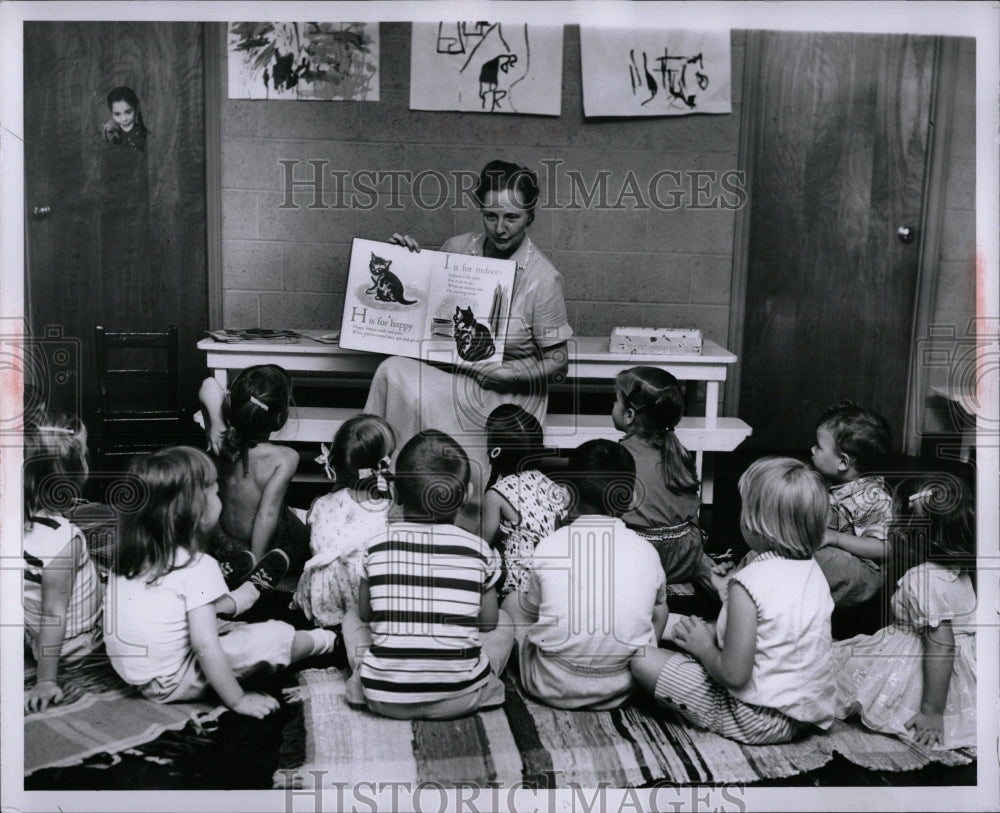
[{"x": 241, "y": 753}]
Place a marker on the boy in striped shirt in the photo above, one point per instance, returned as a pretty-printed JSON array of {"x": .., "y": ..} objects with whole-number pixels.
[{"x": 430, "y": 639}]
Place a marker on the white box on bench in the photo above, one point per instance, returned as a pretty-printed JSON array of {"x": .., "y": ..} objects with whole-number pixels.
[{"x": 655, "y": 340}]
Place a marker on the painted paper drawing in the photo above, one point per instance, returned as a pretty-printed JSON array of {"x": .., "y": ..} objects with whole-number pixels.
[
  {"x": 343, "y": 62},
  {"x": 265, "y": 60},
  {"x": 655, "y": 73},
  {"x": 327, "y": 61},
  {"x": 486, "y": 67}
]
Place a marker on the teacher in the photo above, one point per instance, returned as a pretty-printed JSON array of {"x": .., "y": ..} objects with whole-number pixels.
[{"x": 412, "y": 395}]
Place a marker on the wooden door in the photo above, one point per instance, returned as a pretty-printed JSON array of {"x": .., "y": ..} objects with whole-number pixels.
[
  {"x": 841, "y": 139},
  {"x": 123, "y": 240}
]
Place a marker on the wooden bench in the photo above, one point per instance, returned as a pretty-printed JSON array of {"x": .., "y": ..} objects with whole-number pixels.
[
  {"x": 318, "y": 425},
  {"x": 591, "y": 366}
]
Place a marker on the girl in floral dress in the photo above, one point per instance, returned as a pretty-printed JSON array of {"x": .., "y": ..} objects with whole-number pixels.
[
  {"x": 916, "y": 678},
  {"x": 341, "y": 522},
  {"x": 521, "y": 505}
]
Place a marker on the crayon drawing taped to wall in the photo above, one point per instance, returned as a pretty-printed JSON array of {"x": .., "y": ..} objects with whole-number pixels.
[
  {"x": 669, "y": 72},
  {"x": 483, "y": 67}
]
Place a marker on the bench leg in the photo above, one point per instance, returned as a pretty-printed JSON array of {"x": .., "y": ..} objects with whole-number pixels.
[
  {"x": 968, "y": 442},
  {"x": 711, "y": 403},
  {"x": 707, "y": 480}
]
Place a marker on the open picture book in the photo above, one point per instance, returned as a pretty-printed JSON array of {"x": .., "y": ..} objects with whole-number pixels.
[{"x": 432, "y": 305}]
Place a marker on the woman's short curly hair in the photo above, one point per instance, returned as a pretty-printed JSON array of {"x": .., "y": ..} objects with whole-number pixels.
[{"x": 499, "y": 176}]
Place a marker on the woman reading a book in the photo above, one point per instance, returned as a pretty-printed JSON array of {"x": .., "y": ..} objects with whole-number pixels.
[{"x": 413, "y": 396}]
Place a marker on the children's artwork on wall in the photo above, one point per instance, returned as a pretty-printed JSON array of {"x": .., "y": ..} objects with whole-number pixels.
[
  {"x": 485, "y": 67},
  {"x": 649, "y": 72},
  {"x": 325, "y": 61},
  {"x": 264, "y": 60},
  {"x": 343, "y": 62}
]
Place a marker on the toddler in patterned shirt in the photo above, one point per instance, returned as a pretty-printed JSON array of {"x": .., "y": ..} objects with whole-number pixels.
[{"x": 852, "y": 443}]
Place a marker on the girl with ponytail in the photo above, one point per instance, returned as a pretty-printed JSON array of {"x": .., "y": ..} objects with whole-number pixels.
[
  {"x": 342, "y": 522},
  {"x": 649, "y": 404}
]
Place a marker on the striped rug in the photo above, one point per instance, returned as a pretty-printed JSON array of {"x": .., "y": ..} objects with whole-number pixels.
[
  {"x": 99, "y": 714},
  {"x": 528, "y": 742}
]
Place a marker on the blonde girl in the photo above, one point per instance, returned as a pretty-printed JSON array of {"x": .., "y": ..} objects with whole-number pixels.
[
  {"x": 916, "y": 678},
  {"x": 162, "y": 630},
  {"x": 63, "y": 594},
  {"x": 763, "y": 672},
  {"x": 521, "y": 505},
  {"x": 341, "y": 523},
  {"x": 649, "y": 403}
]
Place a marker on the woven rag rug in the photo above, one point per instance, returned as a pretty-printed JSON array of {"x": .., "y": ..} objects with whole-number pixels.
[
  {"x": 100, "y": 714},
  {"x": 525, "y": 741}
]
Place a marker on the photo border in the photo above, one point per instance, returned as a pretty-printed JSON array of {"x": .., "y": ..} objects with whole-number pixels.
[{"x": 964, "y": 19}]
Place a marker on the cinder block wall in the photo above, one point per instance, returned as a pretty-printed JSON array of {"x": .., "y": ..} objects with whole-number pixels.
[{"x": 286, "y": 267}]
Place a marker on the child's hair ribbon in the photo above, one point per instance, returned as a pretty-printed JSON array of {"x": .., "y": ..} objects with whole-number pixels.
[
  {"x": 324, "y": 461},
  {"x": 255, "y": 400},
  {"x": 379, "y": 472},
  {"x": 927, "y": 492},
  {"x": 59, "y": 430}
]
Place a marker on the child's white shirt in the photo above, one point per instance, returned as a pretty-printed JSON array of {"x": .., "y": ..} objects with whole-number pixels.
[
  {"x": 793, "y": 663},
  {"x": 146, "y": 626}
]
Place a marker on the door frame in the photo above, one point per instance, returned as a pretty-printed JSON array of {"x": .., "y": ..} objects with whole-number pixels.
[
  {"x": 749, "y": 118},
  {"x": 213, "y": 49},
  {"x": 941, "y": 112}
]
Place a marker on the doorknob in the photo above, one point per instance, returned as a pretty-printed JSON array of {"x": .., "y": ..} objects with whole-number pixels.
[
  {"x": 906, "y": 234},
  {"x": 41, "y": 212}
]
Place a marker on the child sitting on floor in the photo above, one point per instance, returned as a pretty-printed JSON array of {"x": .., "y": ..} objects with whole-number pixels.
[
  {"x": 648, "y": 405},
  {"x": 161, "y": 628},
  {"x": 253, "y": 474},
  {"x": 762, "y": 673},
  {"x": 851, "y": 442},
  {"x": 437, "y": 640},
  {"x": 521, "y": 505},
  {"x": 341, "y": 523},
  {"x": 596, "y": 594},
  {"x": 63, "y": 594},
  {"x": 917, "y": 677}
]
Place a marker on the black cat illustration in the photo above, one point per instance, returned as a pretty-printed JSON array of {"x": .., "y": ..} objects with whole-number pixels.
[
  {"x": 473, "y": 340},
  {"x": 386, "y": 286}
]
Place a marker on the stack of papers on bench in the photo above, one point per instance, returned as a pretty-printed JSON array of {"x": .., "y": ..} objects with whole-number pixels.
[{"x": 254, "y": 334}]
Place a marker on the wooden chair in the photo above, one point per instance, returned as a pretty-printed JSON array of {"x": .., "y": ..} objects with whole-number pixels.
[{"x": 137, "y": 395}]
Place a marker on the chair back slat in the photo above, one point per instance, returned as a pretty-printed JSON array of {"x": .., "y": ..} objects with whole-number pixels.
[
  {"x": 137, "y": 391},
  {"x": 121, "y": 358}
]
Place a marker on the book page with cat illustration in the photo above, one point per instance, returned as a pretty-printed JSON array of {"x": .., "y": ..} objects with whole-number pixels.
[{"x": 432, "y": 305}]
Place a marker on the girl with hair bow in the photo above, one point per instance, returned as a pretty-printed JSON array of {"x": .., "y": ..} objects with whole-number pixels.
[{"x": 341, "y": 522}]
